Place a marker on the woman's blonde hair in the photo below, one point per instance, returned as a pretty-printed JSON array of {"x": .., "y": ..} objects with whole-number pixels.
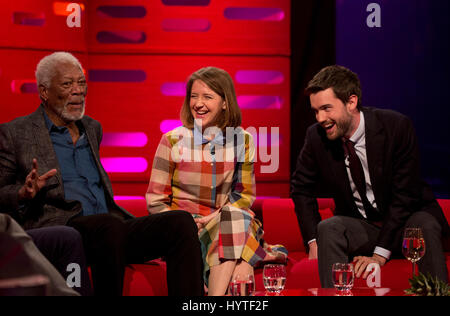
[{"x": 221, "y": 83}]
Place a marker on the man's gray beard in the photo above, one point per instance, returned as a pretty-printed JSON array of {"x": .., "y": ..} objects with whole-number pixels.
[{"x": 66, "y": 117}]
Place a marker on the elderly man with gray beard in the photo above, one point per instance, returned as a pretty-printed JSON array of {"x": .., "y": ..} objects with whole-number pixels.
[{"x": 51, "y": 174}]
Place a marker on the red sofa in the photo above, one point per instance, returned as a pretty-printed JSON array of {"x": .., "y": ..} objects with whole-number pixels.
[{"x": 281, "y": 227}]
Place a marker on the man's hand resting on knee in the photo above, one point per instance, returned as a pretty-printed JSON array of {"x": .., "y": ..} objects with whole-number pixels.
[{"x": 361, "y": 264}]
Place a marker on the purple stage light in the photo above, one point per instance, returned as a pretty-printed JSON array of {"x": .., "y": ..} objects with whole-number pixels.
[
  {"x": 121, "y": 11},
  {"x": 186, "y": 2},
  {"x": 117, "y": 75},
  {"x": 28, "y": 18},
  {"x": 258, "y": 14},
  {"x": 121, "y": 37}
]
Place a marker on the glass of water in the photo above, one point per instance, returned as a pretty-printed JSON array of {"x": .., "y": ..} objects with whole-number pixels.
[
  {"x": 343, "y": 277},
  {"x": 274, "y": 277},
  {"x": 242, "y": 285}
]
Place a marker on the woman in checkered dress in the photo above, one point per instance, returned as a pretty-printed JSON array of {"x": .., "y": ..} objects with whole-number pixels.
[{"x": 206, "y": 167}]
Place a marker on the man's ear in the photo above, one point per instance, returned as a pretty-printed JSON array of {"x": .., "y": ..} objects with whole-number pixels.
[
  {"x": 352, "y": 102},
  {"x": 43, "y": 92}
]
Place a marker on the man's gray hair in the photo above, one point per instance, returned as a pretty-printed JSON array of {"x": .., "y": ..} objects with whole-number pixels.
[{"x": 46, "y": 67}]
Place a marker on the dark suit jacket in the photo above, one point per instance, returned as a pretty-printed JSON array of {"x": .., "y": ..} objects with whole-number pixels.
[
  {"x": 26, "y": 138},
  {"x": 393, "y": 160}
]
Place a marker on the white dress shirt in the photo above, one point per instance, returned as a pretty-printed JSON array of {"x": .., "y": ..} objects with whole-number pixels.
[{"x": 359, "y": 139}]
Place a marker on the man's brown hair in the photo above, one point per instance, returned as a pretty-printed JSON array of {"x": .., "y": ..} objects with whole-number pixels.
[{"x": 343, "y": 81}]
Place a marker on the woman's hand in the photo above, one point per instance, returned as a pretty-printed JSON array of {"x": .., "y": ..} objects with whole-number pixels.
[{"x": 203, "y": 221}]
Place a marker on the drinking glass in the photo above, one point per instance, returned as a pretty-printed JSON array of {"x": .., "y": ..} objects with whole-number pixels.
[
  {"x": 274, "y": 277},
  {"x": 242, "y": 285},
  {"x": 343, "y": 276},
  {"x": 413, "y": 247}
]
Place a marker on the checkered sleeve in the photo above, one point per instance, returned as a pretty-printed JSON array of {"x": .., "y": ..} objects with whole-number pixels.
[
  {"x": 159, "y": 192},
  {"x": 243, "y": 190}
]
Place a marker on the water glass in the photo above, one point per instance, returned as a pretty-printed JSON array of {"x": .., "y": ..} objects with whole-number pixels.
[
  {"x": 413, "y": 246},
  {"x": 274, "y": 277},
  {"x": 343, "y": 276},
  {"x": 242, "y": 285}
]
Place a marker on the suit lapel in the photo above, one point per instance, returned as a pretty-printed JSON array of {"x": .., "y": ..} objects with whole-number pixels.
[
  {"x": 45, "y": 155},
  {"x": 336, "y": 162},
  {"x": 375, "y": 141}
]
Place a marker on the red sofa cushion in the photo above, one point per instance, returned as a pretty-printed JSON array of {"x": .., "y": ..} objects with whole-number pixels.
[
  {"x": 147, "y": 279},
  {"x": 281, "y": 225},
  {"x": 135, "y": 205}
]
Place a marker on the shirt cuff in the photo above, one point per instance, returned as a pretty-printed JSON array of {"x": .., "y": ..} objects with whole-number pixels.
[
  {"x": 383, "y": 252},
  {"x": 311, "y": 241}
]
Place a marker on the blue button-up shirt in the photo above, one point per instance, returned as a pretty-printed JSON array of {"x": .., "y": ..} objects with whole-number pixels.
[{"x": 79, "y": 172}]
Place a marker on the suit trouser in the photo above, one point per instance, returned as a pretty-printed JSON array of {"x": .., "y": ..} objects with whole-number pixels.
[
  {"x": 111, "y": 243},
  {"x": 63, "y": 246},
  {"x": 23, "y": 258},
  {"x": 341, "y": 238}
]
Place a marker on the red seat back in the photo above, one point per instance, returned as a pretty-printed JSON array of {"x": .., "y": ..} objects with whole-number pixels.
[{"x": 281, "y": 225}]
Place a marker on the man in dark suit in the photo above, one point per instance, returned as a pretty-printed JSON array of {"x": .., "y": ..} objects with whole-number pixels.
[
  {"x": 50, "y": 174},
  {"x": 368, "y": 160}
]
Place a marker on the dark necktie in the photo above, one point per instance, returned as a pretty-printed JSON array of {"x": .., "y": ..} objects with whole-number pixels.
[{"x": 357, "y": 172}]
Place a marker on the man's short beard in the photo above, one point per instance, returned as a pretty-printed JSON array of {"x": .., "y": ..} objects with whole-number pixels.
[
  {"x": 342, "y": 128},
  {"x": 67, "y": 117}
]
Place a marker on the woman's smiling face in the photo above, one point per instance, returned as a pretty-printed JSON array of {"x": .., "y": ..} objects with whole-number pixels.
[{"x": 206, "y": 105}]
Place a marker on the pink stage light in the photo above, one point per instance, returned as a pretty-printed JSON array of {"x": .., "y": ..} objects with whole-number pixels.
[
  {"x": 128, "y": 197},
  {"x": 259, "y": 77},
  {"x": 186, "y": 25},
  {"x": 131, "y": 139},
  {"x": 173, "y": 89},
  {"x": 168, "y": 125},
  {"x": 124, "y": 164},
  {"x": 250, "y": 102}
]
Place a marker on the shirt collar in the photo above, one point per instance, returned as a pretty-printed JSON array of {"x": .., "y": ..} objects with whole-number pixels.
[
  {"x": 52, "y": 127},
  {"x": 360, "y": 131},
  {"x": 199, "y": 138}
]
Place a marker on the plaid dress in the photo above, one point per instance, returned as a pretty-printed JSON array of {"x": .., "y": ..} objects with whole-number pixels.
[{"x": 203, "y": 174}]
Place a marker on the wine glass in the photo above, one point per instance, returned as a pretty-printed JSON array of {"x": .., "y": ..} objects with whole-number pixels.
[
  {"x": 343, "y": 277},
  {"x": 413, "y": 247},
  {"x": 242, "y": 285},
  {"x": 274, "y": 277}
]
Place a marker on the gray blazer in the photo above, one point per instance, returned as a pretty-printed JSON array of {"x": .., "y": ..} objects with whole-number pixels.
[{"x": 26, "y": 138}]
